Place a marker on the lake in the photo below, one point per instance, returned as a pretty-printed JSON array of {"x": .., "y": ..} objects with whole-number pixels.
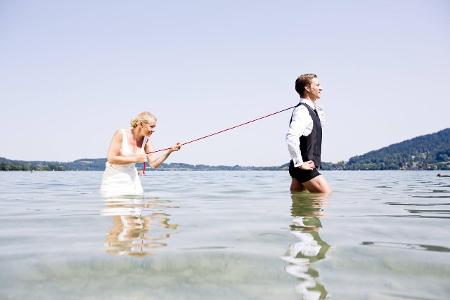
[{"x": 225, "y": 235}]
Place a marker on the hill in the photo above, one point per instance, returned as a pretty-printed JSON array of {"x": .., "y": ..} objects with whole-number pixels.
[
  {"x": 426, "y": 152},
  {"x": 77, "y": 165}
]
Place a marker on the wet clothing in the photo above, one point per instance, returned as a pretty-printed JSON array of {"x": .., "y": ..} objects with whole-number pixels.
[
  {"x": 122, "y": 179},
  {"x": 302, "y": 175}
]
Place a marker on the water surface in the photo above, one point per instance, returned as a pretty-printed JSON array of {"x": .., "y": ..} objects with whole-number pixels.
[{"x": 225, "y": 235}]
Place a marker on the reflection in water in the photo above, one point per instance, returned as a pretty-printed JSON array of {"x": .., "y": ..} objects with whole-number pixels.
[
  {"x": 139, "y": 225},
  {"x": 309, "y": 247}
]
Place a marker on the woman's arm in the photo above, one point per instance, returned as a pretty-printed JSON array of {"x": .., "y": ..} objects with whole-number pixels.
[
  {"x": 154, "y": 161},
  {"x": 114, "y": 155}
]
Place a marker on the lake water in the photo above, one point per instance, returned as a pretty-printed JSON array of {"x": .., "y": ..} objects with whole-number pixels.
[{"x": 225, "y": 235}]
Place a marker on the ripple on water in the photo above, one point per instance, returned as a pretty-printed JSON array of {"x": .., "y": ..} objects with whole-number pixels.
[
  {"x": 407, "y": 246},
  {"x": 416, "y": 204},
  {"x": 431, "y": 196}
]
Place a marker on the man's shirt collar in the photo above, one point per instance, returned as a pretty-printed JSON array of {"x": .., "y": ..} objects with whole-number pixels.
[{"x": 310, "y": 103}]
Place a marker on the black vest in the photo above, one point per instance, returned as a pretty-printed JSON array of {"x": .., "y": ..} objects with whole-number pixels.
[{"x": 311, "y": 145}]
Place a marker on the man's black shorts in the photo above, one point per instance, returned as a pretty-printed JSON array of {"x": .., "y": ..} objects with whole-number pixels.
[{"x": 302, "y": 175}]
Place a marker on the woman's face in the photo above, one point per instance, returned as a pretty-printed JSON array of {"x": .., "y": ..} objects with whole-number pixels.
[{"x": 148, "y": 127}]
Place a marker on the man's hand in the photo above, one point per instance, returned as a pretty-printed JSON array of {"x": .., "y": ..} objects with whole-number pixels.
[{"x": 307, "y": 165}]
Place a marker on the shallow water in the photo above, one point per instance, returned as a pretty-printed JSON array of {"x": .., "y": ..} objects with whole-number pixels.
[{"x": 225, "y": 235}]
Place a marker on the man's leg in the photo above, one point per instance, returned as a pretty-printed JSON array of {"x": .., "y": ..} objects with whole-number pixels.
[
  {"x": 296, "y": 186},
  {"x": 317, "y": 185}
]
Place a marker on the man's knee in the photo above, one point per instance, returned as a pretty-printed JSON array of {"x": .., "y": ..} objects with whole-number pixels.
[
  {"x": 317, "y": 185},
  {"x": 296, "y": 186}
]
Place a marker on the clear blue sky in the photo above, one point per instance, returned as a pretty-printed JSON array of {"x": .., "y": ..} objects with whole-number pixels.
[{"x": 72, "y": 72}]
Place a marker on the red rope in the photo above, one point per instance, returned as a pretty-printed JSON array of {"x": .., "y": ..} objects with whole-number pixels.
[{"x": 227, "y": 129}]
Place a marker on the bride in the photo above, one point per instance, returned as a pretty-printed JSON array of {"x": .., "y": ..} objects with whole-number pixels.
[{"x": 128, "y": 147}]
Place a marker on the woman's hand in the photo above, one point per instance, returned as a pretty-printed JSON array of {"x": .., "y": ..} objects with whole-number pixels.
[
  {"x": 175, "y": 147},
  {"x": 307, "y": 165},
  {"x": 155, "y": 162},
  {"x": 140, "y": 158}
]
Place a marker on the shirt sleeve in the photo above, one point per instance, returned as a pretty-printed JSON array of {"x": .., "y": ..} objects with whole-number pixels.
[{"x": 301, "y": 122}]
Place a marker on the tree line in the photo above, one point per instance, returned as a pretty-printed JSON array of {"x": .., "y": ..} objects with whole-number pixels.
[{"x": 427, "y": 152}]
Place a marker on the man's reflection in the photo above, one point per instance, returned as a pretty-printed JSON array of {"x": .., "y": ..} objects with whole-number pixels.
[
  {"x": 139, "y": 225},
  {"x": 306, "y": 212}
]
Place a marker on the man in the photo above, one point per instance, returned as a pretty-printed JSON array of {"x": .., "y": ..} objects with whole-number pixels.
[{"x": 304, "y": 138}]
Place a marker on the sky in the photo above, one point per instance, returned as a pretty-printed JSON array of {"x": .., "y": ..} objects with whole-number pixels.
[{"x": 73, "y": 72}]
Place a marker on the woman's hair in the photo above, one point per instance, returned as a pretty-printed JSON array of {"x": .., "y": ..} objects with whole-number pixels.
[
  {"x": 142, "y": 117},
  {"x": 302, "y": 81}
]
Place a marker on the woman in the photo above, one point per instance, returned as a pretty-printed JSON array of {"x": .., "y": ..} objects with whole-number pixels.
[{"x": 130, "y": 146}]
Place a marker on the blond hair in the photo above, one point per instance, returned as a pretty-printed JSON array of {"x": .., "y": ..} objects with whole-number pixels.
[{"x": 144, "y": 117}]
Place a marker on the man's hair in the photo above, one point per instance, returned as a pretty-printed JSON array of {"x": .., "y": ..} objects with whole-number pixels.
[{"x": 302, "y": 81}]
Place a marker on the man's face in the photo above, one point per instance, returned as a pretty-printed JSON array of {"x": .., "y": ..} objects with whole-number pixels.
[{"x": 314, "y": 89}]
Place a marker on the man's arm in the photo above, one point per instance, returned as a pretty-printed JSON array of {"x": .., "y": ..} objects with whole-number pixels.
[{"x": 301, "y": 124}]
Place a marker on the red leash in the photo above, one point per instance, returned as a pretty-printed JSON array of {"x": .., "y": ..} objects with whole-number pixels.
[
  {"x": 223, "y": 130},
  {"x": 220, "y": 131}
]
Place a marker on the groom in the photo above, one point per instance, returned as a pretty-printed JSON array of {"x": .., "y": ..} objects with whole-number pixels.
[{"x": 304, "y": 138}]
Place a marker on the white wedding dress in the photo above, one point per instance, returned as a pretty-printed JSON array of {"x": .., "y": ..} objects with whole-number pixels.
[{"x": 122, "y": 180}]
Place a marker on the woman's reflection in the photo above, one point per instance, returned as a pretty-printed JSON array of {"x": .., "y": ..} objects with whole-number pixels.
[
  {"x": 307, "y": 209},
  {"x": 139, "y": 225}
]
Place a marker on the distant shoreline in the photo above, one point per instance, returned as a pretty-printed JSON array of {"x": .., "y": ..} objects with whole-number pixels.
[
  {"x": 427, "y": 152},
  {"x": 226, "y": 170},
  {"x": 99, "y": 165}
]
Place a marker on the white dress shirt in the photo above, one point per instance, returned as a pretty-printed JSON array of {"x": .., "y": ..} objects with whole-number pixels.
[{"x": 301, "y": 124}]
